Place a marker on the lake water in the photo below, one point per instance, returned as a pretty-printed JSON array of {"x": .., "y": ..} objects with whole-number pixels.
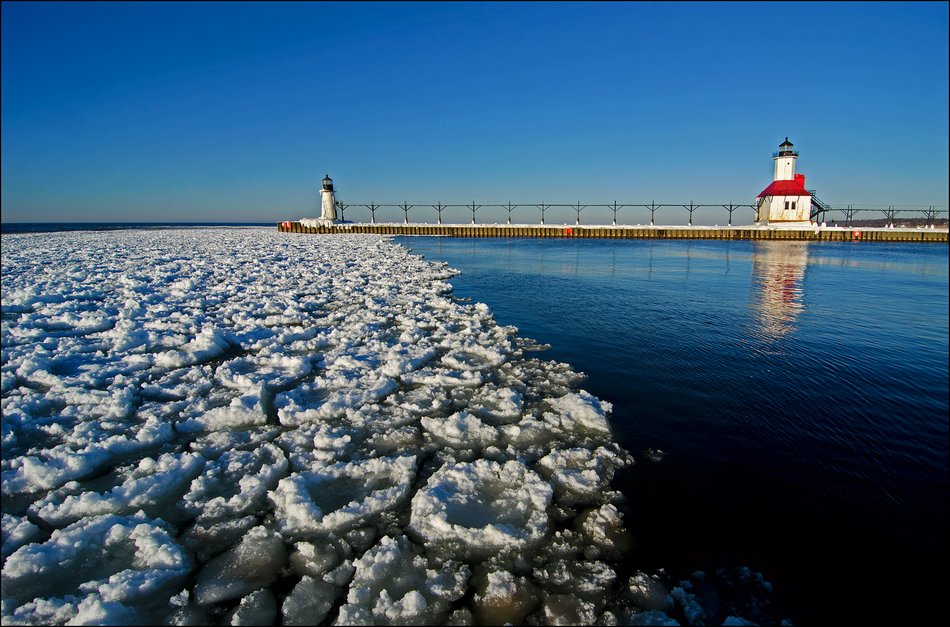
[{"x": 799, "y": 391}]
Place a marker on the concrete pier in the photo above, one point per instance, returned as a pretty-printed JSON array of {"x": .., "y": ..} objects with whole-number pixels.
[{"x": 814, "y": 234}]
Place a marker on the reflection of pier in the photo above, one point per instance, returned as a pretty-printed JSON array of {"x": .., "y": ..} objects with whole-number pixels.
[{"x": 778, "y": 273}]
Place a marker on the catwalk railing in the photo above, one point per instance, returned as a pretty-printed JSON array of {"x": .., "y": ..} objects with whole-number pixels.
[{"x": 672, "y": 213}]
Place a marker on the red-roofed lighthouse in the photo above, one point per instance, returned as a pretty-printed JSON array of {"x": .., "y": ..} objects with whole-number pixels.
[{"x": 785, "y": 202}]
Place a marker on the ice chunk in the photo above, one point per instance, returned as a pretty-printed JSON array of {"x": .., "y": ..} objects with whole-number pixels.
[
  {"x": 460, "y": 430},
  {"x": 686, "y": 603},
  {"x": 583, "y": 578},
  {"x": 473, "y": 357},
  {"x": 445, "y": 378},
  {"x": 531, "y": 435},
  {"x": 580, "y": 412},
  {"x": 497, "y": 405},
  {"x": 17, "y": 531},
  {"x": 317, "y": 558},
  {"x": 208, "y": 344},
  {"x": 39, "y": 611},
  {"x": 257, "y": 608},
  {"x": 211, "y": 444},
  {"x": 269, "y": 368},
  {"x": 242, "y": 412},
  {"x": 150, "y": 486},
  {"x": 71, "y": 610},
  {"x": 401, "y": 360},
  {"x": 388, "y": 442},
  {"x": 580, "y": 475},
  {"x": 180, "y": 384},
  {"x": 428, "y": 401},
  {"x": 503, "y": 598},
  {"x": 309, "y": 602},
  {"x": 341, "y": 496},
  {"x": 252, "y": 564},
  {"x": 123, "y": 559},
  {"x": 94, "y": 611},
  {"x": 52, "y": 467},
  {"x": 208, "y": 538},
  {"x": 296, "y": 407},
  {"x": 361, "y": 539},
  {"x": 236, "y": 483},
  {"x": 647, "y": 592},
  {"x": 394, "y": 585},
  {"x": 603, "y": 532},
  {"x": 319, "y": 444},
  {"x": 482, "y": 506},
  {"x": 565, "y": 609}
]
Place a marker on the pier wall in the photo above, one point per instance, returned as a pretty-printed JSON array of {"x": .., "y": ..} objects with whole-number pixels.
[{"x": 815, "y": 234}]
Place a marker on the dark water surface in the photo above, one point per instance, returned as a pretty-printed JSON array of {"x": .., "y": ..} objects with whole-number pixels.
[{"x": 799, "y": 390}]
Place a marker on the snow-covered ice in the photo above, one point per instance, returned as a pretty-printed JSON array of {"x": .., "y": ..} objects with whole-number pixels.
[
  {"x": 481, "y": 508},
  {"x": 239, "y": 426}
]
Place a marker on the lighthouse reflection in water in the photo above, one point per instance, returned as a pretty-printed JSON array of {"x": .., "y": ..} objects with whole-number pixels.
[{"x": 778, "y": 274}]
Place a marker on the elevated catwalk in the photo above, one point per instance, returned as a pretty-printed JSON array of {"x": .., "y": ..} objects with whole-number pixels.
[{"x": 826, "y": 234}]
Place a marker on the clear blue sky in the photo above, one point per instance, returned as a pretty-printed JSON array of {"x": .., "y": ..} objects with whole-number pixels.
[{"x": 234, "y": 111}]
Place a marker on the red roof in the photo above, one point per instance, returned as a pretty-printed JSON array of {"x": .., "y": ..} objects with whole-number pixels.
[{"x": 786, "y": 188}]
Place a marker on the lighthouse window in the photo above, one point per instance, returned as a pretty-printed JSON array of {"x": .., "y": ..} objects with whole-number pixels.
[
  {"x": 793, "y": 205},
  {"x": 786, "y": 205}
]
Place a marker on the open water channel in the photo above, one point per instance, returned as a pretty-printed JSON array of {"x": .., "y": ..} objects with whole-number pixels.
[{"x": 798, "y": 392}]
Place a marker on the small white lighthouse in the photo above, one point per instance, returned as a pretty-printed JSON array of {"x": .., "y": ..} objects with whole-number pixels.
[
  {"x": 328, "y": 205},
  {"x": 785, "y": 202}
]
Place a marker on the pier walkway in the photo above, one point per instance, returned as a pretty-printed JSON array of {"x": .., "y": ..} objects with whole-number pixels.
[{"x": 813, "y": 234}]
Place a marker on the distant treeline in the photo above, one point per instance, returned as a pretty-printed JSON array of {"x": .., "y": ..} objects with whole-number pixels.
[{"x": 898, "y": 222}]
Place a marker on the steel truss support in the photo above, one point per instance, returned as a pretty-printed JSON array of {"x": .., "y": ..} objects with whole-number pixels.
[
  {"x": 439, "y": 207},
  {"x": 730, "y": 208},
  {"x": 342, "y": 207},
  {"x": 691, "y": 209},
  {"x": 930, "y": 215},
  {"x": 372, "y": 211},
  {"x": 474, "y": 208},
  {"x": 889, "y": 214},
  {"x": 542, "y": 207},
  {"x": 510, "y": 208},
  {"x": 615, "y": 208},
  {"x": 578, "y": 208}
]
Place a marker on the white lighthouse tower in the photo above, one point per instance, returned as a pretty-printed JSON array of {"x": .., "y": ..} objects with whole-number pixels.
[
  {"x": 785, "y": 202},
  {"x": 328, "y": 202}
]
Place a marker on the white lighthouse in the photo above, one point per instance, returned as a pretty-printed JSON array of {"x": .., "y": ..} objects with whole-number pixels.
[
  {"x": 785, "y": 202},
  {"x": 328, "y": 202}
]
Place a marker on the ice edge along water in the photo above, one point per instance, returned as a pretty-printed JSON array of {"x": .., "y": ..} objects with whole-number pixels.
[{"x": 236, "y": 425}]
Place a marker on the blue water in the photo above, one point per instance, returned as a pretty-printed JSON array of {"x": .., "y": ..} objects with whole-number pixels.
[{"x": 800, "y": 391}]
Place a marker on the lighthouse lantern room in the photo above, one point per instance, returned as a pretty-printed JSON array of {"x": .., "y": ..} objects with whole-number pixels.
[
  {"x": 327, "y": 202},
  {"x": 785, "y": 202}
]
